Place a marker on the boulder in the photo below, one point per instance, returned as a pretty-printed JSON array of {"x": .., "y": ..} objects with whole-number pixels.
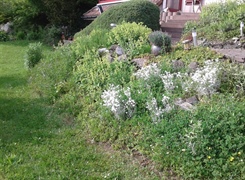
[
  {"x": 192, "y": 67},
  {"x": 140, "y": 62}
]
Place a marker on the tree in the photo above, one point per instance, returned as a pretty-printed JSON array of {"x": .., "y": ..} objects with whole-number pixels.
[{"x": 63, "y": 12}]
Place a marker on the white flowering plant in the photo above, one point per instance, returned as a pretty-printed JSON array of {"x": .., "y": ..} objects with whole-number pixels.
[
  {"x": 157, "y": 110},
  {"x": 119, "y": 101},
  {"x": 205, "y": 80}
]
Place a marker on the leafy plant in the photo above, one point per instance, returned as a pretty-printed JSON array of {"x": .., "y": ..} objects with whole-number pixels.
[
  {"x": 33, "y": 54},
  {"x": 130, "y": 36},
  {"x": 223, "y": 19},
  {"x": 160, "y": 39},
  {"x": 4, "y": 36}
]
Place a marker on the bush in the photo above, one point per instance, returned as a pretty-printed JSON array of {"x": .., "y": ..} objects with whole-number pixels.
[
  {"x": 98, "y": 38},
  {"x": 20, "y": 35},
  {"x": 131, "y": 36},
  {"x": 33, "y": 55},
  {"x": 223, "y": 20},
  {"x": 51, "y": 34},
  {"x": 133, "y": 11},
  {"x": 160, "y": 39},
  {"x": 4, "y": 36}
]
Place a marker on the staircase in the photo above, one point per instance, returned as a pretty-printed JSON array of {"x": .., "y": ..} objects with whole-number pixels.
[{"x": 173, "y": 23}]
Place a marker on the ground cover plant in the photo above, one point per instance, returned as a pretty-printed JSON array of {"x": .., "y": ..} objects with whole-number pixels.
[{"x": 38, "y": 141}]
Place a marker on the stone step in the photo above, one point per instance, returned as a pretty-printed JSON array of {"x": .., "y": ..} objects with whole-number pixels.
[
  {"x": 182, "y": 17},
  {"x": 173, "y": 24},
  {"x": 169, "y": 29},
  {"x": 175, "y": 33}
]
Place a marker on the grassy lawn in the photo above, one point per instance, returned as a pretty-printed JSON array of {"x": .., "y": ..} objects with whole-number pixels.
[{"x": 36, "y": 142}]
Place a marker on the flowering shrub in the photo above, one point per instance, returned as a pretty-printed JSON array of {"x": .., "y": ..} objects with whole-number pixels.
[
  {"x": 156, "y": 111},
  {"x": 148, "y": 71},
  {"x": 119, "y": 101},
  {"x": 205, "y": 81}
]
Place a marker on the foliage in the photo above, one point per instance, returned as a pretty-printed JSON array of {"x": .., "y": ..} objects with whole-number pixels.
[
  {"x": 137, "y": 109},
  {"x": 195, "y": 55},
  {"x": 7, "y": 9},
  {"x": 130, "y": 36},
  {"x": 50, "y": 34},
  {"x": 138, "y": 11},
  {"x": 4, "y": 36},
  {"x": 33, "y": 54},
  {"x": 44, "y": 77},
  {"x": 209, "y": 139},
  {"x": 223, "y": 19},
  {"x": 98, "y": 38},
  {"x": 160, "y": 39},
  {"x": 233, "y": 79},
  {"x": 32, "y": 18}
]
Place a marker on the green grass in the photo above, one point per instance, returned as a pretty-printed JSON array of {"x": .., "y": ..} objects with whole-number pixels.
[{"x": 39, "y": 142}]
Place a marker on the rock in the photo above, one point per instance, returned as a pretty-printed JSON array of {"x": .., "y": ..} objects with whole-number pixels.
[
  {"x": 119, "y": 51},
  {"x": 178, "y": 101},
  {"x": 186, "y": 106},
  {"x": 113, "y": 48},
  {"x": 139, "y": 62},
  {"x": 123, "y": 57},
  {"x": 193, "y": 66},
  {"x": 67, "y": 42},
  {"x": 235, "y": 39},
  {"x": 217, "y": 46},
  {"x": 103, "y": 51},
  {"x": 192, "y": 100},
  {"x": 201, "y": 42},
  {"x": 6, "y": 27},
  {"x": 177, "y": 64}
]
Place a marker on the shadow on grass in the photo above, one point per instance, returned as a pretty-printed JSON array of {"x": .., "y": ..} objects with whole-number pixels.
[
  {"x": 25, "y": 120},
  {"x": 10, "y": 81}
]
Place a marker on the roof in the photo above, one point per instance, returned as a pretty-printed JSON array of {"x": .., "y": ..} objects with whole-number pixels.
[
  {"x": 157, "y": 2},
  {"x": 100, "y": 7},
  {"x": 104, "y": 5}
]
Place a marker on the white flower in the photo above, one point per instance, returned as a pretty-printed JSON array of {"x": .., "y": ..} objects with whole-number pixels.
[
  {"x": 146, "y": 72},
  {"x": 117, "y": 104},
  {"x": 205, "y": 80},
  {"x": 157, "y": 112}
]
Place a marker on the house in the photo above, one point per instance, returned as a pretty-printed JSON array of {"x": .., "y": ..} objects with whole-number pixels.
[
  {"x": 174, "y": 13},
  {"x": 186, "y": 6}
]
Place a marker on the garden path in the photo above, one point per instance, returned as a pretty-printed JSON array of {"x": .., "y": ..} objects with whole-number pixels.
[{"x": 234, "y": 54}]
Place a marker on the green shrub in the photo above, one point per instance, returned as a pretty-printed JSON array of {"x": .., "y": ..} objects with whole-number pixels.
[
  {"x": 131, "y": 36},
  {"x": 160, "y": 39},
  {"x": 223, "y": 20},
  {"x": 4, "y": 36},
  {"x": 20, "y": 35},
  {"x": 233, "y": 79},
  {"x": 133, "y": 11},
  {"x": 98, "y": 38},
  {"x": 51, "y": 34},
  {"x": 32, "y": 35},
  {"x": 33, "y": 54}
]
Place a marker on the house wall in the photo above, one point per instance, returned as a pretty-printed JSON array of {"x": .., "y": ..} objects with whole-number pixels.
[{"x": 188, "y": 8}]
